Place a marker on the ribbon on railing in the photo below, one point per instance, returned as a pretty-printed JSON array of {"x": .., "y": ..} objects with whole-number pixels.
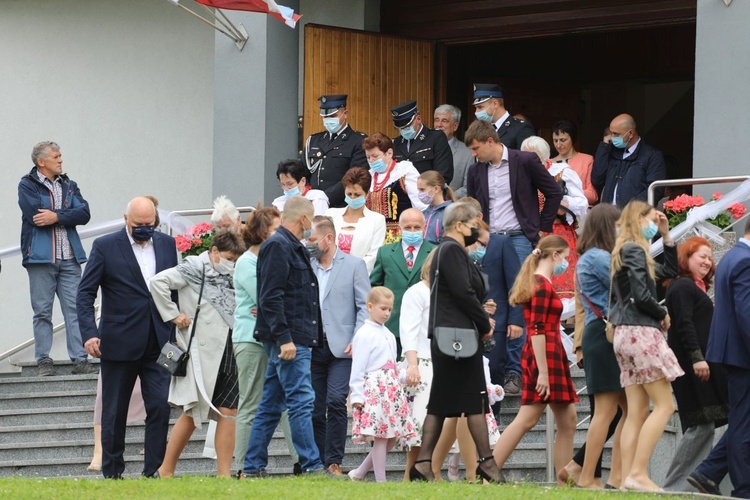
[
  {"x": 696, "y": 218},
  {"x": 176, "y": 222}
]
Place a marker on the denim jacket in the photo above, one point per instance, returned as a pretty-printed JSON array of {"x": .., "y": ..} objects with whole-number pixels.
[
  {"x": 288, "y": 309},
  {"x": 592, "y": 273}
]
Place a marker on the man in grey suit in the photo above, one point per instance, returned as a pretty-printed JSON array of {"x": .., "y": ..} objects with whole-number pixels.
[
  {"x": 343, "y": 284},
  {"x": 447, "y": 118}
]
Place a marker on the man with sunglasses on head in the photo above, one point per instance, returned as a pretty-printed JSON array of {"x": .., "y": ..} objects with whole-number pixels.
[
  {"x": 328, "y": 155},
  {"x": 425, "y": 148}
]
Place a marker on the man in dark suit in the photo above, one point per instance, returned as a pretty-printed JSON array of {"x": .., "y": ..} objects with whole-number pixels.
[
  {"x": 490, "y": 107},
  {"x": 506, "y": 183},
  {"x": 425, "y": 148},
  {"x": 343, "y": 285},
  {"x": 729, "y": 344},
  {"x": 130, "y": 333},
  {"x": 399, "y": 265},
  {"x": 626, "y": 166},
  {"x": 330, "y": 154}
]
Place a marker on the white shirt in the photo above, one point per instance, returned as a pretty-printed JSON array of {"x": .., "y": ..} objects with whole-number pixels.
[
  {"x": 372, "y": 347},
  {"x": 404, "y": 247},
  {"x": 415, "y": 316},
  {"x": 501, "y": 120},
  {"x": 502, "y": 214},
  {"x": 316, "y": 196},
  {"x": 145, "y": 256}
]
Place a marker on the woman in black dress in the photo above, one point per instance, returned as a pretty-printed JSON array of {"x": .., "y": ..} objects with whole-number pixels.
[
  {"x": 702, "y": 392},
  {"x": 458, "y": 386}
]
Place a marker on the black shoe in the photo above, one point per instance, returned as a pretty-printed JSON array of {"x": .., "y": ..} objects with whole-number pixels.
[
  {"x": 261, "y": 474},
  {"x": 414, "y": 474},
  {"x": 297, "y": 469},
  {"x": 703, "y": 484},
  {"x": 155, "y": 475},
  {"x": 84, "y": 368},
  {"x": 45, "y": 369},
  {"x": 481, "y": 473}
]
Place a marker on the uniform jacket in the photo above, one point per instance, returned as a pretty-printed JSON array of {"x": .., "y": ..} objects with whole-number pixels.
[
  {"x": 38, "y": 243},
  {"x": 128, "y": 309},
  {"x": 527, "y": 176},
  {"x": 329, "y": 160},
  {"x": 729, "y": 338},
  {"x": 512, "y": 132},
  {"x": 429, "y": 150},
  {"x": 288, "y": 309},
  {"x": 390, "y": 271},
  {"x": 632, "y": 175},
  {"x": 344, "y": 304}
]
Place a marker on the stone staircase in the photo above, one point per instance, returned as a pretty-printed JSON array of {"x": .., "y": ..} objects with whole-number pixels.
[{"x": 46, "y": 431}]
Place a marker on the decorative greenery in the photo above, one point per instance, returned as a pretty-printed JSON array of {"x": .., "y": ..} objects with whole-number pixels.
[
  {"x": 197, "y": 240},
  {"x": 677, "y": 210}
]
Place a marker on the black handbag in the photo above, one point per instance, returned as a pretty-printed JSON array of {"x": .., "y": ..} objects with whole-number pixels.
[
  {"x": 458, "y": 343},
  {"x": 173, "y": 358}
]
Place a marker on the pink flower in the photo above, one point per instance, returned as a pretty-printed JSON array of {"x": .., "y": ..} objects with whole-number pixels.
[
  {"x": 197, "y": 241},
  {"x": 737, "y": 210},
  {"x": 683, "y": 203},
  {"x": 200, "y": 229},
  {"x": 183, "y": 244},
  {"x": 717, "y": 196}
]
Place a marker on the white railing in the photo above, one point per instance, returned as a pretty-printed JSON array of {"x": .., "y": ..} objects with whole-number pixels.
[{"x": 176, "y": 221}]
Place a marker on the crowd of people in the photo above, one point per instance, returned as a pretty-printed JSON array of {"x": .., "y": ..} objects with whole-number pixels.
[{"x": 413, "y": 282}]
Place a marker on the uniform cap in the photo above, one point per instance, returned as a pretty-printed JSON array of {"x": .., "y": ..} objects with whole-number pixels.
[
  {"x": 403, "y": 113},
  {"x": 486, "y": 91},
  {"x": 330, "y": 104}
]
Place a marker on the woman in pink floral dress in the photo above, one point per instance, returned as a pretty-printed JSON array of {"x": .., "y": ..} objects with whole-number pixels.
[
  {"x": 647, "y": 364},
  {"x": 381, "y": 411}
]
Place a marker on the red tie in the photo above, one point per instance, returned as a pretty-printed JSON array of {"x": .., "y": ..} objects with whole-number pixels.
[{"x": 410, "y": 256}]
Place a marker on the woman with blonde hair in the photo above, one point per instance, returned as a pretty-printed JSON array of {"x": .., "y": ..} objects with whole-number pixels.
[
  {"x": 544, "y": 364},
  {"x": 647, "y": 364},
  {"x": 437, "y": 195}
]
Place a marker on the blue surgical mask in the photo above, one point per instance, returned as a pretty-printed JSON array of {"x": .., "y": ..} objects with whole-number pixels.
[
  {"x": 292, "y": 192},
  {"x": 332, "y": 125},
  {"x": 412, "y": 237},
  {"x": 355, "y": 202},
  {"x": 378, "y": 166},
  {"x": 408, "y": 133},
  {"x": 142, "y": 233},
  {"x": 650, "y": 231},
  {"x": 619, "y": 142},
  {"x": 306, "y": 233},
  {"x": 478, "y": 254},
  {"x": 560, "y": 268},
  {"x": 483, "y": 116}
]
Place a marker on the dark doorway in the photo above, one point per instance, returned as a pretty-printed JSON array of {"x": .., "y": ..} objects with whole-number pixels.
[{"x": 589, "y": 78}]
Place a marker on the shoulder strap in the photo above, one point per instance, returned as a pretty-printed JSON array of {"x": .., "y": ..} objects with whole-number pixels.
[
  {"x": 434, "y": 285},
  {"x": 197, "y": 309}
]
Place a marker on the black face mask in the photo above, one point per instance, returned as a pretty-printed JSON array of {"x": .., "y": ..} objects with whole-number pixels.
[
  {"x": 472, "y": 238},
  {"x": 142, "y": 233}
]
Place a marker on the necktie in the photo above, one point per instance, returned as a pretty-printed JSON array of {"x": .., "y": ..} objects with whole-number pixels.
[{"x": 410, "y": 256}]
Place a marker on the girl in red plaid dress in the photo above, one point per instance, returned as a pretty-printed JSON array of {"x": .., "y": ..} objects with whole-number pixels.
[{"x": 544, "y": 365}]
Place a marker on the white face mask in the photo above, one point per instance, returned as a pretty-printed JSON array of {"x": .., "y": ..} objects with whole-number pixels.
[{"x": 224, "y": 266}]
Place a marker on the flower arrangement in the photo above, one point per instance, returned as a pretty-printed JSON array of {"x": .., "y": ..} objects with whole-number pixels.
[
  {"x": 196, "y": 240},
  {"x": 677, "y": 209}
]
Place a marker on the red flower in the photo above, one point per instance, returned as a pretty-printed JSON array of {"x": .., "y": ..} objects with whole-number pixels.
[
  {"x": 183, "y": 244},
  {"x": 717, "y": 196},
  {"x": 737, "y": 210}
]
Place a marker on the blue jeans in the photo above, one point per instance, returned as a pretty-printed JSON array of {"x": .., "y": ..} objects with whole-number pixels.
[
  {"x": 331, "y": 384},
  {"x": 46, "y": 280},
  {"x": 288, "y": 385},
  {"x": 514, "y": 347}
]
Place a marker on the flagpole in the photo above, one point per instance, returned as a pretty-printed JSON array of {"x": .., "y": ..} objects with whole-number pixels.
[
  {"x": 229, "y": 21},
  {"x": 207, "y": 22},
  {"x": 233, "y": 29}
]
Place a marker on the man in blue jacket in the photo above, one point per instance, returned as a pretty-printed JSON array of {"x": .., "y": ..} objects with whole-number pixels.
[
  {"x": 52, "y": 206},
  {"x": 289, "y": 324},
  {"x": 626, "y": 166}
]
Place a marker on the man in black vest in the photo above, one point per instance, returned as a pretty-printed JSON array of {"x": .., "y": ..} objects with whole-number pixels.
[
  {"x": 490, "y": 107},
  {"x": 330, "y": 154},
  {"x": 427, "y": 149}
]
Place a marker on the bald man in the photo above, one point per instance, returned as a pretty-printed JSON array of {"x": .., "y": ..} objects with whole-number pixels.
[
  {"x": 130, "y": 334},
  {"x": 399, "y": 265},
  {"x": 626, "y": 166}
]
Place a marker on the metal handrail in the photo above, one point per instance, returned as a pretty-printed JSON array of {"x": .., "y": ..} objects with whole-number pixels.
[
  {"x": 699, "y": 181},
  {"x": 58, "y": 328}
]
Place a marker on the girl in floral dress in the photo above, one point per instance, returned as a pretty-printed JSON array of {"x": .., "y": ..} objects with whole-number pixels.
[
  {"x": 381, "y": 412},
  {"x": 544, "y": 364}
]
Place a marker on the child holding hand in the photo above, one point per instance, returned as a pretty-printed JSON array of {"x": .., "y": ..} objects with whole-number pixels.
[{"x": 381, "y": 412}]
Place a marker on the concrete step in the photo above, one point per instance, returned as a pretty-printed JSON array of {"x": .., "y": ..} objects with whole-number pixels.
[
  {"x": 27, "y": 384},
  {"x": 84, "y": 398}
]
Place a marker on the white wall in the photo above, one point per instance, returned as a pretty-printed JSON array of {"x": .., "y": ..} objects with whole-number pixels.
[
  {"x": 126, "y": 89},
  {"x": 722, "y": 99}
]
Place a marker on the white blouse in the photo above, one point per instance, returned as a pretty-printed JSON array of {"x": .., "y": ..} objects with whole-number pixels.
[
  {"x": 415, "y": 316},
  {"x": 408, "y": 171},
  {"x": 373, "y": 346},
  {"x": 576, "y": 199}
]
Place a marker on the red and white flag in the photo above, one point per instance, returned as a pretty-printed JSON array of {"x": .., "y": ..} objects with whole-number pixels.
[{"x": 283, "y": 14}]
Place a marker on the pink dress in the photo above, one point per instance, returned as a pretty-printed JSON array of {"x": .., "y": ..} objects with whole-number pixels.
[{"x": 644, "y": 356}]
